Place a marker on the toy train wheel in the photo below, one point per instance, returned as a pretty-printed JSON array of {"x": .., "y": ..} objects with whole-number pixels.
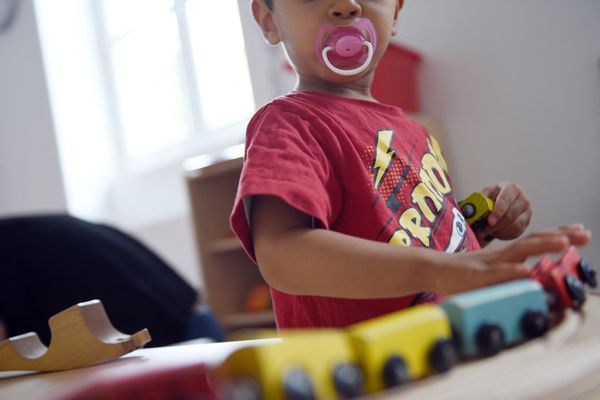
[
  {"x": 348, "y": 380},
  {"x": 534, "y": 323},
  {"x": 553, "y": 299},
  {"x": 442, "y": 356},
  {"x": 575, "y": 289},
  {"x": 297, "y": 385},
  {"x": 456, "y": 339},
  {"x": 490, "y": 339},
  {"x": 478, "y": 226},
  {"x": 468, "y": 210},
  {"x": 395, "y": 372},
  {"x": 587, "y": 273}
]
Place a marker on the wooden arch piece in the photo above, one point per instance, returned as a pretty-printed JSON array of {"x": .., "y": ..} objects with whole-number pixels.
[{"x": 81, "y": 335}]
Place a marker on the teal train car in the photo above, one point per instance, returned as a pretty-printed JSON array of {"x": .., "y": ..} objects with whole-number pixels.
[{"x": 486, "y": 320}]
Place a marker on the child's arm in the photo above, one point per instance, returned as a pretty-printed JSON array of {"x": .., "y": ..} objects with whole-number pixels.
[{"x": 295, "y": 258}]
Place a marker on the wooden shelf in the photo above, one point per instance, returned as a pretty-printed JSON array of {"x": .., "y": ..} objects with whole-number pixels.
[
  {"x": 249, "y": 320},
  {"x": 228, "y": 273}
]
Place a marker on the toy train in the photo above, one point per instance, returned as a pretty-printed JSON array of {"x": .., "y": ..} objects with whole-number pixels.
[
  {"x": 563, "y": 279},
  {"x": 475, "y": 208},
  {"x": 409, "y": 344}
]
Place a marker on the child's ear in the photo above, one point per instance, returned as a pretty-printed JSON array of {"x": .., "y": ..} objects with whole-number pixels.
[
  {"x": 264, "y": 19},
  {"x": 397, "y": 12}
]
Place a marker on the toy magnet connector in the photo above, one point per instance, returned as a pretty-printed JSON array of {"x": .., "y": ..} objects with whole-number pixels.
[{"x": 347, "y": 51}]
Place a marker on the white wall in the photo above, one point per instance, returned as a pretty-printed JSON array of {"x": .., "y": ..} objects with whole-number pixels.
[
  {"x": 516, "y": 86},
  {"x": 30, "y": 175}
]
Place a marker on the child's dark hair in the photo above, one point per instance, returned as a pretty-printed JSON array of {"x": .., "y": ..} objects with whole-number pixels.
[{"x": 269, "y": 4}]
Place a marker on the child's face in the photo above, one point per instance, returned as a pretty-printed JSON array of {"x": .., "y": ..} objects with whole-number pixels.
[{"x": 296, "y": 24}]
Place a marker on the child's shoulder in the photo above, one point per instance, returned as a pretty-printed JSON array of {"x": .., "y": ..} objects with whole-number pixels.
[
  {"x": 291, "y": 106},
  {"x": 330, "y": 113},
  {"x": 294, "y": 101},
  {"x": 322, "y": 104}
]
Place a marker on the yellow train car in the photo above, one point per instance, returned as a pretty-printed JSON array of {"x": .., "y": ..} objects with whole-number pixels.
[
  {"x": 475, "y": 208},
  {"x": 403, "y": 346},
  {"x": 305, "y": 364}
]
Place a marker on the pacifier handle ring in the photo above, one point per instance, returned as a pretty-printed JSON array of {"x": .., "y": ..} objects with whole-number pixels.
[{"x": 348, "y": 72}]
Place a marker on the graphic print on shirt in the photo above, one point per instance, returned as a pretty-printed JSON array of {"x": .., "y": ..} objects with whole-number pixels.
[{"x": 415, "y": 188}]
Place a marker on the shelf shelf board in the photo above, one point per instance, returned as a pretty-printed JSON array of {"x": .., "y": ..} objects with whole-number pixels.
[
  {"x": 224, "y": 245},
  {"x": 215, "y": 164},
  {"x": 244, "y": 320}
]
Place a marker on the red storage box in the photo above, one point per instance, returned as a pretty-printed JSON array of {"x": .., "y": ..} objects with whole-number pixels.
[{"x": 396, "y": 79}]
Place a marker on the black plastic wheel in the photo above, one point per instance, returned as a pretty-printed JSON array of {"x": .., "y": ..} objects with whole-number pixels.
[
  {"x": 395, "y": 372},
  {"x": 575, "y": 289},
  {"x": 468, "y": 210},
  {"x": 552, "y": 299},
  {"x": 456, "y": 339},
  {"x": 534, "y": 323},
  {"x": 490, "y": 339},
  {"x": 348, "y": 380},
  {"x": 297, "y": 385},
  {"x": 442, "y": 355},
  {"x": 479, "y": 225},
  {"x": 587, "y": 273}
]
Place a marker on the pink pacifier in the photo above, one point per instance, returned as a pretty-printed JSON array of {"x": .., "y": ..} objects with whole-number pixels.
[{"x": 342, "y": 47}]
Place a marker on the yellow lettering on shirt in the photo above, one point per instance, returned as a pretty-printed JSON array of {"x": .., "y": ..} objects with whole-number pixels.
[
  {"x": 436, "y": 173},
  {"x": 420, "y": 194},
  {"x": 400, "y": 238},
  {"x": 410, "y": 220}
]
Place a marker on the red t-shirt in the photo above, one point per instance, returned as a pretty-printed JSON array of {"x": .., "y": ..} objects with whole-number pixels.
[{"x": 359, "y": 168}]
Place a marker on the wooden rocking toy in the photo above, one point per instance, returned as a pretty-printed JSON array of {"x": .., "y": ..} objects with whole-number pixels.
[{"x": 82, "y": 335}]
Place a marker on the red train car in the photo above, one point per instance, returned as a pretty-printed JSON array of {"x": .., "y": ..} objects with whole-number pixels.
[{"x": 564, "y": 278}]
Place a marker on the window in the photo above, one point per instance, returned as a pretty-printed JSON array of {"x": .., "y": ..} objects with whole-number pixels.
[
  {"x": 138, "y": 86},
  {"x": 177, "y": 70}
]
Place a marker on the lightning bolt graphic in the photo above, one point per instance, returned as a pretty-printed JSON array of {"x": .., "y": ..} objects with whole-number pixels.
[{"x": 383, "y": 156}]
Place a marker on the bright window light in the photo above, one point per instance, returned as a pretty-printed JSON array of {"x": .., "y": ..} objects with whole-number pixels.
[
  {"x": 221, "y": 63},
  {"x": 178, "y": 74}
]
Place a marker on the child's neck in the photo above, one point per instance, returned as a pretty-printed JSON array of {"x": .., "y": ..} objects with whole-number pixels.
[{"x": 360, "y": 89}]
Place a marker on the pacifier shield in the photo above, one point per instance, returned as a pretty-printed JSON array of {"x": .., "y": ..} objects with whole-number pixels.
[{"x": 346, "y": 50}]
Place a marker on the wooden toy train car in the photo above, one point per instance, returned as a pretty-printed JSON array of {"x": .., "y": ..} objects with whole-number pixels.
[
  {"x": 305, "y": 364},
  {"x": 475, "y": 208},
  {"x": 390, "y": 350},
  {"x": 563, "y": 279},
  {"x": 403, "y": 346},
  {"x": 487, "y": 320}
]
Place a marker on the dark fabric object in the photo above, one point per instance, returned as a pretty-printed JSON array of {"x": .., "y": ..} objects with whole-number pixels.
[{"x": 51, "y": 262}]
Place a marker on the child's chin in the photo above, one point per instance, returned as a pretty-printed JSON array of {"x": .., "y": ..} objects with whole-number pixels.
[{"x": 336, "y": 78}]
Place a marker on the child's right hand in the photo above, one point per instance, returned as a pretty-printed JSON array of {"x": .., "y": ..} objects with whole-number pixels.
[{"x": 466, "y": 271}]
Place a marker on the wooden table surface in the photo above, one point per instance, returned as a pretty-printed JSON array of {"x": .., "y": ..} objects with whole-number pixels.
[{"x": 565, "y": 364}]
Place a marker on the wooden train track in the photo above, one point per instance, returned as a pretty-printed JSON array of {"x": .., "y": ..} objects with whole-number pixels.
[{"x": 82, "y": 335}]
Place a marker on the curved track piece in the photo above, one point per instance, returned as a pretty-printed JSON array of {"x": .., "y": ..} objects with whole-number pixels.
[{"x": 82, "y": 335}]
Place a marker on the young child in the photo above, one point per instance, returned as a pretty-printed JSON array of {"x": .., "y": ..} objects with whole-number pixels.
[{"x": 346, "y": 203}]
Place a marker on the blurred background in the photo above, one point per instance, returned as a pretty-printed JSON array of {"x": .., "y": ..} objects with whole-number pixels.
[{"x": 102, "y": 101}]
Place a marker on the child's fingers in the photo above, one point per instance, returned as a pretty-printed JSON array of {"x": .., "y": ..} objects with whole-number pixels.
[
  {"x": 552, "y": 240},
  {"x": 507, "y": 196},
  {"x": 491, "y": 191},
  {"x": 576, "y": 233},
  {"x": 536, "y": 245},
  {"x": 518, "y": 211},
  {"x": 506, "y": 230}
]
